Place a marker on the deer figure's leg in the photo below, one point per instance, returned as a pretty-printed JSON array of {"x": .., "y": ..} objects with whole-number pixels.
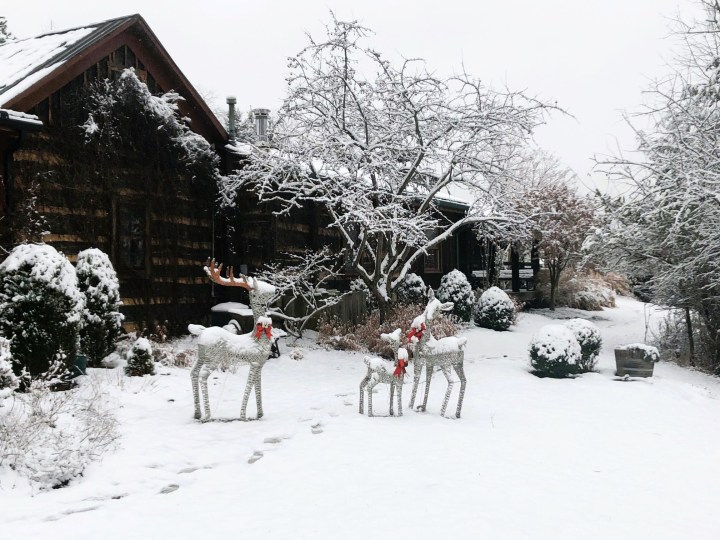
[
  {"x": 204, "y": 374},
  {"x": 399, "y": 384},
  {"x": 258, "y": 392},
  {"x": 416, "y": 381},
  {"x": 194, "y": 372},
  {"x": 460, "y": 370},
  {"x": 363, "y": 384},
  {"x": 392, "y": 395},
  {"x": 448, "y": 375},
  {"x": 370, "y": 387},
  {"x": 248, "y": 387},
  {"x": 428, "y": 377}
]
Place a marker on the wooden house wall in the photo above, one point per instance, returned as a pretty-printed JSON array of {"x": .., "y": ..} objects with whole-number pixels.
[{"x": 176, "y": 216}]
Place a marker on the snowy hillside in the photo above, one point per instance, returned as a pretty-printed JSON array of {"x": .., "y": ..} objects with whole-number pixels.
[{"x": 531, "y": 458}]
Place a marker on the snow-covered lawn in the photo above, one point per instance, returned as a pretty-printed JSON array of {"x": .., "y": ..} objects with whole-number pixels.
[{"x": 531, "y": 458}]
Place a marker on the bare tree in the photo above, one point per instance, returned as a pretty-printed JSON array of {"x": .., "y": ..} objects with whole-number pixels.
[
  {"x": 301, "y": 288},
  {"x": 374, "y": 144},
  {"x": 556, "y": 218},
  {"x": 667, "y": 226}
]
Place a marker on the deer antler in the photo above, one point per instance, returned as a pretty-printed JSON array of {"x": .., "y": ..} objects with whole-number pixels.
[{"x": 215, "y": 274}]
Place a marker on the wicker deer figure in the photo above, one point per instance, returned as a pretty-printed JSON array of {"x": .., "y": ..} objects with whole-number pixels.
[
  {"x": 217, "y": 345},
  {"x": 385, "y": 371},
  {"x": 446, "y": 353}
]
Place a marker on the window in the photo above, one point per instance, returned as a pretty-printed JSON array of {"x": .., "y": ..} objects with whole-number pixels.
[
  {"x": 131, "y": 236},
  {"x": 433, "y": 260}
]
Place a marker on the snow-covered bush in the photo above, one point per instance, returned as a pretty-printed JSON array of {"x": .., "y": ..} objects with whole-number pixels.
[
  {"x": 412, "y": 290},
  {"x": 50, "y": 437},
  {"x": 40, "y": 309},
  {"x": 140, "y": 359},
  {"x": 554, "y": 351},
  {"x": 455, "y": 287},
  {"x": 588, "y": 337},
  {"x": 495, "y": 310},
  {"x": 8, "y": 380},
  {"x": 101, "y": 318},
  {"x": 584, "y": 289}
]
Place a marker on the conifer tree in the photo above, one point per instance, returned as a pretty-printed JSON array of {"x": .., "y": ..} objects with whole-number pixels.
[
  {"x": 101, "y": 319},
  {"x": 5, "y": 34},
  {"x": 139, "y": 359}
]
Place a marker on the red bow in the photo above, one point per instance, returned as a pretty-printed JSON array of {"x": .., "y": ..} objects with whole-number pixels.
[
  {"x": 400, "y": 369},
  {"x": 259, "y": 329},
  {"x": 414, "y": 332}
]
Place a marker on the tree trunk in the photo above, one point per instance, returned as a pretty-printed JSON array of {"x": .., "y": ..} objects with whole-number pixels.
[
  {"x": 691, "y": 342},
  {"x": 384, "y": 308},
  {"x": 515, "y": 268},
  {"x": 554, "y": 285}
]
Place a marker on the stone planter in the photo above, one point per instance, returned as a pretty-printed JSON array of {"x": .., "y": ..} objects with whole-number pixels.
[{"x": 635, "y": 360}]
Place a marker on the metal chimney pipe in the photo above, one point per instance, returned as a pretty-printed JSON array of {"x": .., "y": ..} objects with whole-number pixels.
[
  {"x": 232, "y": 131},
  {"x": 261, "y": 123}
]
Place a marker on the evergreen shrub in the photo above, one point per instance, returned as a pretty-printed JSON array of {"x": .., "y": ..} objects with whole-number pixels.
[
  {"x": 101, "y": 318},
  {"x": 554, "y": 352},
  {"x": 40, "y": 310},
  {"x": 8, "y": 380},
  {"x": 455, "y": 287},
  {"x": 495, "y": 310},
  {"x": 412, "y": 290},
  {"x": 588, "y": 337},
  {"x": 140, "y": 359}
]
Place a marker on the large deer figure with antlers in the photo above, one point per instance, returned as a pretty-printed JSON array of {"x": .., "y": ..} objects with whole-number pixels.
[
  {"x": 216, "y": 345},
  {"x": 446, "y": 353}
]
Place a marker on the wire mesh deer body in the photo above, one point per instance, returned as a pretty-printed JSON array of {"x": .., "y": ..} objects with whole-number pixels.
[
  {"x": 218, "y": 346},
  {"x": 447, "y": 353},
  {"x": 385, "y": 371}
]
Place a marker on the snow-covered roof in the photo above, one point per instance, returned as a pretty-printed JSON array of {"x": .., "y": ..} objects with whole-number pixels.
[
  {"x": 27, "y": 64},
  {"x": 24, "y": 62},
  {"x": 24, "y": 119}
]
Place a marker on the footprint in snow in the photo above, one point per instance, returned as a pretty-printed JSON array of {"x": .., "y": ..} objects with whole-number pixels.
[
  {"x": 316, "y": 428},
  {"x": 275, "y": 440},
  {"x": 193, "y": 469},
  {"x": 169, "y": 488},
  {"x": 56, "y": 517},
  {"x": 257, "y": 455}
]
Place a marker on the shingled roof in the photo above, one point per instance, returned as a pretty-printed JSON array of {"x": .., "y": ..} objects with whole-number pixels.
[{"x": 32, "y": 68}]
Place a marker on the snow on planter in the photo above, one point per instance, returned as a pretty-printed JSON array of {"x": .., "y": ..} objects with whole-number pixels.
[
  {"x": 650, "y": 353},
  {"x": 588, "y": 336},
  {"x": 554, "y": 351},
  {"x": 495, "y": 310}
]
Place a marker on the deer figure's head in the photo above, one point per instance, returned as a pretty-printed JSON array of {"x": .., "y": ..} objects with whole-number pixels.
[
  {"x": 419, "y": 326},
  {"x": 261, "y": 293}
]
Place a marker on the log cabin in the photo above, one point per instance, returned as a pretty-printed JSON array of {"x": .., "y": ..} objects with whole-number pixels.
[{"x": 147, "y": 213}]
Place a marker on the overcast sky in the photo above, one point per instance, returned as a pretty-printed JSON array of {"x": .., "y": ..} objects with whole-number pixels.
[{"x": 595, "y": 57}]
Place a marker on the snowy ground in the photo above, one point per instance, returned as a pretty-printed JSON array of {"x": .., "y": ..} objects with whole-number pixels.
[{"x": 531, "y": 458}]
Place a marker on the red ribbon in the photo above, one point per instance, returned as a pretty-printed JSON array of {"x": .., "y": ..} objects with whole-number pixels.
[
  {"x": 400, "y": 369},
  {"x": 259, "y": 329},
  {"x": 414, "y": 332}
]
